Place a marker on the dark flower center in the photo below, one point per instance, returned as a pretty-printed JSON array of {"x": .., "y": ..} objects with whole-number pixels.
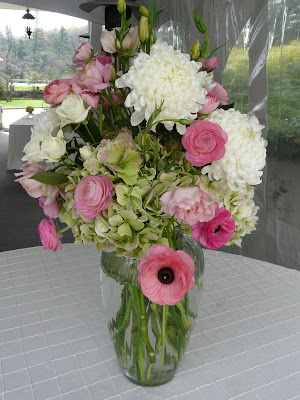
[
  {"x": 166, "y": 275},
  {"x": 217, "y": 228}
]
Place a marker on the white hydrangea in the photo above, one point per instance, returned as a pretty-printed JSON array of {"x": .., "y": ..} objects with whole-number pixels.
[
  {"x": 245, "y": 155},
  {"x": 169, "y": 76}
]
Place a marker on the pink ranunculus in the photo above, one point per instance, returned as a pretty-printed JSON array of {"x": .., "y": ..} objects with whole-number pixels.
[
  {"x": 57, "y": 91},
  {"x": 90, "y": 81},
  {"x": 204, "y": 142},
  {"x": 48, "y": 234},
  {"x": 83, "y": 54},
  {"x": 103, "y": 59},
  {"x": 92, "y": 195},
  {"x": 32, "y": 187},
  {"x": 210, "y": 64},
  {"x": 216, "y": 232},
  {"x": 52, "y": 209},
  {"x": 221, "y": 93},
  {"x": 212, "y": 103},
  {"x": 189, "y": 204},
  {"x": 166, "y": 275}
]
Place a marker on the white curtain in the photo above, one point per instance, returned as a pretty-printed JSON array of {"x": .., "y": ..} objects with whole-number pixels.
[{"x": 269, "y": 28}]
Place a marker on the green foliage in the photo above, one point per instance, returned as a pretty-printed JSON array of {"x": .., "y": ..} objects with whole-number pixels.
[{"x": 51, "y": 178}]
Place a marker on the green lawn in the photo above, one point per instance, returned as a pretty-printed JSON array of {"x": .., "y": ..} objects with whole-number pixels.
[
  {"x": 28, "y": 88},
  {"x": 23, "y": 103}
]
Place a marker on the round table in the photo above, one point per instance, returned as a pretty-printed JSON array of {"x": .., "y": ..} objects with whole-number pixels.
[{"x": 54, "y": 342}]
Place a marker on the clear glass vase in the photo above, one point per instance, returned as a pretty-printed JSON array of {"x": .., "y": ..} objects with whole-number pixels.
[{"x": 149, "y": 339}]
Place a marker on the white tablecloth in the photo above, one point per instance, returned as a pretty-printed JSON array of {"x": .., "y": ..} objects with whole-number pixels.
[
  {"x": 19, "y": 135},
  {"x": 55, "y": 344}
]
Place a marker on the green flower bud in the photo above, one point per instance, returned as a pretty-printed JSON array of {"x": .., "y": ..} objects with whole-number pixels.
[
  {"x": 195, "y": 52},
  {"x": 121, "y": 4},
  {"x": 144, "y": 11},
  {"x": 144, "y": 29}
]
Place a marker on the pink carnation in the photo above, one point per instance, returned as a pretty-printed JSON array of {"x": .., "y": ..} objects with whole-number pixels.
[
  {"x": 210, "y": 64},
  {"x": 83, "y": 54},
  {"x": 166, "y": 275},
  {"x": 57, "y": 91},
  {"x": 189, "y": 204},
  {"x": 49, "y": 235},
  {"x": 92, "y": 195},
  {"x": 204, "y": 142},
  {"x": 212, "y": 103},
  {"x": 216, "y": 232},
  {"x": 221, "y": 93},
  {"x": 106, "y": 103},
  {"x": 51, "y": 208},
  {"x": 90, "y": 81}
]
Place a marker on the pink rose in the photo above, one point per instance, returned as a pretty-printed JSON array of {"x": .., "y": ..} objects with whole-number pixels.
[
  {"x": 210, "y": 64},
  {"x": 57, "y": 91},
  {"x": 83, "y": 54},
  {"x": 32, "y": 187},
  {"x": 51, "y": 209},
  {"x": 90, "y": 81},
  {"x": 212, "y": 103},
  {"x": 189, "y": 204},
  {"x": 204, "y": 142},
  {"x": 49, "y": 235},
  {"x": 166, "y": 275},
  {"x": 216, "y": 232},
  {"x": 92, "y": 195},
  {"x": 221, "y": 93}
]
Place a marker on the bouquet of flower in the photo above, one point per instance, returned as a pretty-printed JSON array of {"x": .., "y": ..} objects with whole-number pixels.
[{"x": 133, "y": 155}]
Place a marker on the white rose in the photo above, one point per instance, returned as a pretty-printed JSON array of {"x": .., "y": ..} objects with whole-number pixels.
[
  {"x": 54, "y": 147},
  {"x": 72, "y": 110},
  {"x": 48, "y": 122},
  {"x": 33, "y": 152}
]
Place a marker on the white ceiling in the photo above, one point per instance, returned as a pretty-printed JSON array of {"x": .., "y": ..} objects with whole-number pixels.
[{"x": 68, "y": 7}]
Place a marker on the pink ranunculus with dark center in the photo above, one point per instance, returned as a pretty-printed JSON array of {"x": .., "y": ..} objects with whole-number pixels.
[
  {"x": 221, "y": 93},
  {"x": 92, "y": 195},
  {"x": 32, "y": 187},
  {"x": 50, "y": 207},
  {"x": 212, "y": 103},
  {"x": 83, "y": 54},
  {"x": 166, "y": 275},
  {"x": 204, "y": 142},
  {"x": 216, "y": 232},
  {"x": 90, "y": 81},
  {"x": 210, "y": 64},
  {"x": 49, "y": 235},
  {"x": 189, "y": 204},
  {"x": 57, "y": 91}
]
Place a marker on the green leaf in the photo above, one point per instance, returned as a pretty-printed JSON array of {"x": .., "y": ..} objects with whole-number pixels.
[
  {"x": 168, "y": 167},
  {"x": 122, "y": 122},
  {"x": 160, "y": 10},
  {"x": 50, "y": 178},
  {"x": 200, "y": 25},
  {"x": 226, "y": 106},
  {"x": 214, "y": 51}
]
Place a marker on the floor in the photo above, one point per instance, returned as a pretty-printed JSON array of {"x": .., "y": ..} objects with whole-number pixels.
[{"x": 19, "y": 213}]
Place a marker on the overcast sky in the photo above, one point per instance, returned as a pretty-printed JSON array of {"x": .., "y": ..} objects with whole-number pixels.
[{"x": 46, "y": 20}]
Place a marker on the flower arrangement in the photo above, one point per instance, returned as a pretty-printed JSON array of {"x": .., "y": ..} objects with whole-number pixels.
[{"x": 134, "y": 154}]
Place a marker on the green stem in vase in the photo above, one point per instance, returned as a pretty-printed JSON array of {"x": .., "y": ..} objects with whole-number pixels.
[
  {"x": 186, "y": 323},
  {"x": 144, "y": 328},
  {"x": 163, "y": 337}
]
